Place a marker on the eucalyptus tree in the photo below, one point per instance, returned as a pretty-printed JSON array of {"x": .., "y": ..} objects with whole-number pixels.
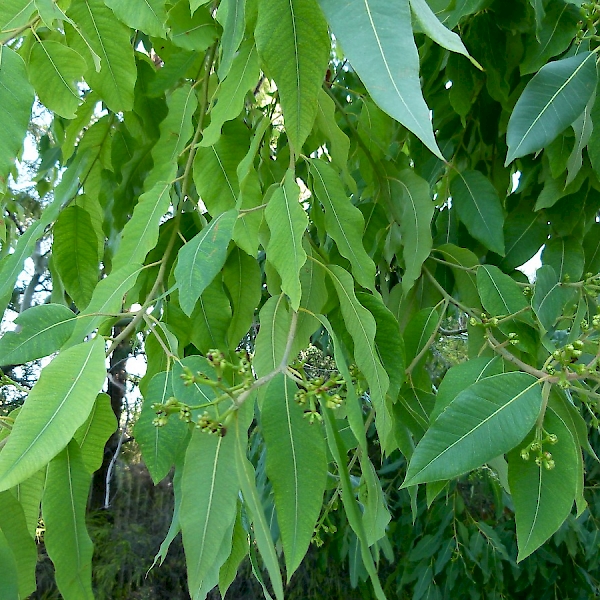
[{"x": 352, "y": 173}]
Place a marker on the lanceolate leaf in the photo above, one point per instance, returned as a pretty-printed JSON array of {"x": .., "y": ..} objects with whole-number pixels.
[
  {"x": 377, "y": 38},
  {"x": 109, "y": 39},
  {"x": 211, "y": 319},
  {"x": 479, "y": 208},
  {"x": 42, "y": 330},
  {"x": 208, "y": 505},
  {"x": 94, "y": 433},
  {"x": 140, "y": 233},
  {"x": 16, "y": 98},
  {"x": 543, "y": 497},
  {"x": 296, "y": 466},
  {"x": 293, "y": 45},
  {"x": 549, "y": 297},
  {"x": 411, "y": 195},
  {"x": 160, "y": 446},
  {"x": 66, "y": 538},
  {"x": 233, "y": 33},
  {"x": 9, "y": 583},
  {"x": 202, "y": 258},
  {"x": 487, "y": 419},
  {"x": 54, "y": 70},
  {"x": 57, "y": 405},
  {"x": 500, "y": 294},
  {"x": 287, "y": 222},
  {"x": 552, "y": 100},
  {"x": 271, "y": 341},
  {"x": 13, "y": 526},
  {"x": 75, "y": 254},
  {"x": 343, "y": 221}
]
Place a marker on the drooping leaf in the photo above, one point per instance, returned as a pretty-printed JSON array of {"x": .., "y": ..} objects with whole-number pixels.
[
  {"x": 16, "y": 98},
  {"x": 148, "y": 16},
  {"x": 109, "y": 39},
  {"x": 29, "y": 495},
  {"x": 411, "y": 194},
  {"x": 565, "y": 256},
  {"x": 231, "y": 93},
  {"x": 66, "y": 538},
  {"x": 42, "y": 330},
  {"x": 56, "y": 407},
  {"x": 377, "y": 38},
  {"x": 552, "y": 100},
  {"x": 543, "y": 497},
  {"x": 239, "y": 551},
  {"x": 75, "y": 253},
  {"x": 242, "y": 277},
  {"x": 549, "y": 298},
  {"x": 287, "y": 222},
  {"x": 94, "y": 433},
  {"x": 54, "y": 70},
  {"x": 487, "y": 419},
  {"x": 376, "y": 516},
  {"x": 202, "y": 258},
  {"x": 13, "y": 526},
  {"x": 233, "y": 33},
  {"x": 343, "y": 221},
  {"x": 479, "y": 208},
  {"x": 9, "y": 583},
  {"x": 195, "y": 33},
  {"x": 296, "y": 466},
  {"x": 140, "y": 233},
  {"x": 293, "y": 46},
  {"x": 160, "y": 446},
  {"x": 208, "y": 504}
]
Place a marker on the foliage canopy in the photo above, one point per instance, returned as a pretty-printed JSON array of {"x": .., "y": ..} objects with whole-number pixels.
[{"x": 227, "y": 183}]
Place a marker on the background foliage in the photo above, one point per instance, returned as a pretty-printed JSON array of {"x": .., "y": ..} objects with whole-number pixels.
[{"x": 308, "y": 217}]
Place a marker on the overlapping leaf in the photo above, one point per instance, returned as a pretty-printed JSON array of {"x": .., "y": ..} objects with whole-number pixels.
[{"x": 148, "y": 16}]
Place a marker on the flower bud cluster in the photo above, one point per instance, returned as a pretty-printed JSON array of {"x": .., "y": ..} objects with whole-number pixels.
[{"x": 543, "y": 458}]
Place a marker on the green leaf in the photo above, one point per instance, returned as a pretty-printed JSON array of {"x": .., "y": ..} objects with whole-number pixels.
[
  {"x": 296, "y": 466},
  {"x": 487, "y": 419},
  {"x": 148, "y": 16},
  {"x": 29, "y": 496},
  {"x": 565, "y": 255},
  {"x": 215, "y": 169},
  {"x": 202, "y": 258},
  {"x": 479, "y": 208},
  {"x": 140, "y": 233},
  {"x": 271, "y": 341},
  {"x": 54, "y": 71},
  {"x": 95, "y": 432},
  {"x": 208, "y": 504},
  {"x": 175, "y": 131},
  {"x": 66, "y": 538},
  {"x": 287, "y": 223},
  {"x": 582, "y": 127},
  {"x": 247, "y": 483},
  {"x": 551, "y": 101},
  {"x": 16, "y": 98},
  {"x": 466, "y": 281},
  {"x": 543, "y": 498},
  {"x": 231, "y": 93},
  {"x": 195, "y": 33},
  {"x": 211, "y": 319},
  {"x": 239, "y": 551},
  {"x": 591, "y": 247},
  {"x": 414, "y": 208},
  {"x": 160, "y": 446},
  {"x": 243, "y": 278},
  {"x": 9, "y": 582},
  {"x": 56, "y": 407},
  {"x": 107, "y": 298},
  {"x": 15, "y": 13},
  {"x": 109, "y": 39},
  {"x": 377, "y": 39},
  {"x": 13, "y": 526},
  {"x": 460, "y": 377},
  {"x": 233, "y": 33},
  {"x": 434, "y": 29},
  {"x": 362, "y": 327},
  {"x": 343, "y": 221},
  {"x": 549, "y": 298},
  {"x": 42, "y": 330},
  {"x": 75, "y": 253},
  {"x": 293, "y": 45},
  {"x": 500, "y": 294},
  {"x": 376, "y": 516}
]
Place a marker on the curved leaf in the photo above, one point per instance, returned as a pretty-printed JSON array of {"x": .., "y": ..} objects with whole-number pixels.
[
  {"x": 56, "y": 407},
  {"x": 377, "y": 38},
  {"x": 271, "y": 341},
  {"x": 296, "y": 466},
  {"x": 487, "y": 419},
  {"x": 196, "y": 33},
  {"x": 552, "y": 100},
  {"x": 15, "y": 13},
  {"x": 148, "y": 16},
  {"x": 211, "y": 319},
  {"x": 202, "y": 258},
  {"x": 293, "y": 46},
  {"x": 500, "y": 294}
]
